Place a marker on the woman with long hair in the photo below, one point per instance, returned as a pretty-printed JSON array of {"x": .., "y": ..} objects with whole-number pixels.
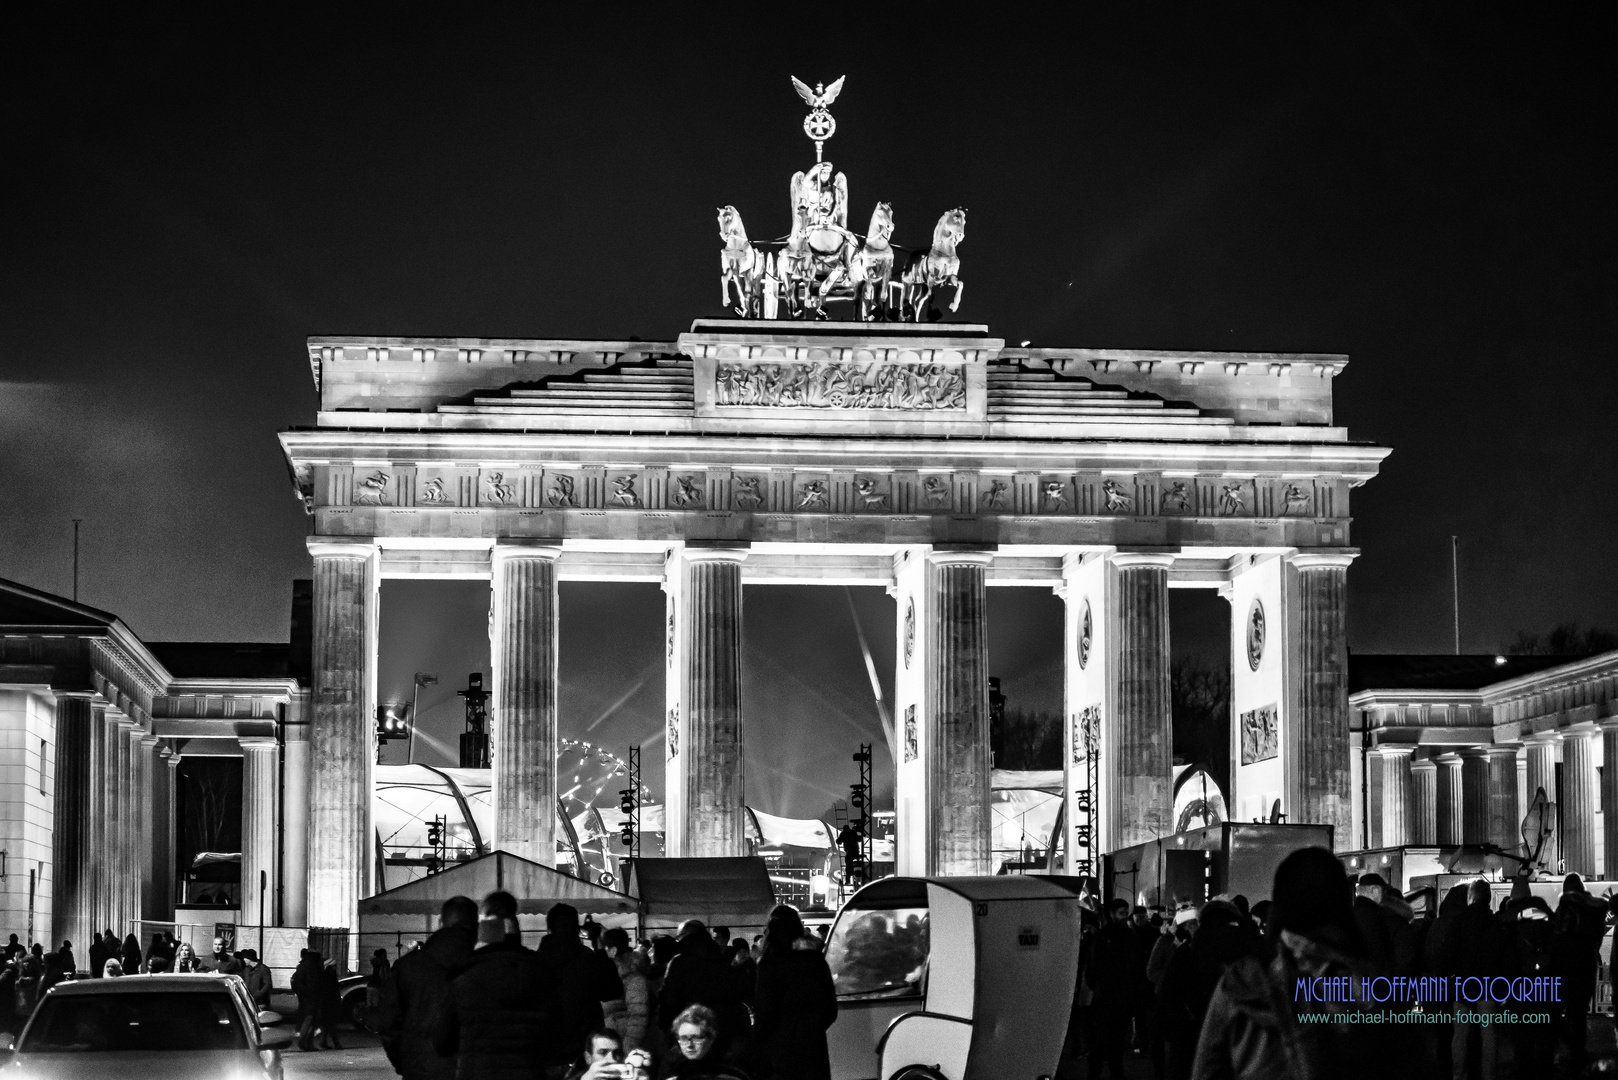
[{"x": 794, "y": 1001}]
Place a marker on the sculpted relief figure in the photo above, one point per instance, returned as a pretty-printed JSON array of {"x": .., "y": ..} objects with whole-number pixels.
[
  {"x": 910, "y": 387},
  {"x": 813, "y": 496},
  {"x": 748, "y": 495},
  {"x": 1055, "y": 495},
  {"x": 1118, "y": 500},
  {"x": 433, "y": 493},
  {"x": 373, "y": 490},
  {"x": 935, "y": 489},
  {"x": 998, "y": 497},
  {"x": 1175, "y": 497},
  {"x": 1232, "y": 499},
  {"x": 623, "y": 491},
  {"x": 1298, "y": 500},
  {"x": 560, "y": 492},
  {"x": 687, "y": 492},
  {"x": 499, "y": 492},
  {"x": 870, "y": 498}
]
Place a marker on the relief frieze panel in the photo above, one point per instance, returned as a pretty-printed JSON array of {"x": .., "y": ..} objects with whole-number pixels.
[{"x": 816, "y": 385}]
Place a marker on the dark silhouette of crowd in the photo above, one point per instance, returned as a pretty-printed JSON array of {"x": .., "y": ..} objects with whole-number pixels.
[
  {"x": 1210, "y": 992},
  {"x": 590, "y": 1004}
]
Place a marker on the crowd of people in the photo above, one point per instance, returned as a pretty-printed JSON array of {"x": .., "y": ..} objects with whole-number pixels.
[
  {"x": 1211, "y": 992},
  {"x": 591, "y": 1004}
]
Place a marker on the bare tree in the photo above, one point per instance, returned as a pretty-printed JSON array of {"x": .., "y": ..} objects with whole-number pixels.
[
  {"x": 1199, "y": 698},
  {"x": 1564, "y": 639}
]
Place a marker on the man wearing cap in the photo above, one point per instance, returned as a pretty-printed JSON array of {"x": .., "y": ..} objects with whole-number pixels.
[
  {"x": 698, "y": 975},
  {"x": 415, "y": 987},
  {"x": 498, "y": 1012}
]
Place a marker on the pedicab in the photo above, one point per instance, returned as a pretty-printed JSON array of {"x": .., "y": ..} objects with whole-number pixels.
[{"x": 967, "y": 978}]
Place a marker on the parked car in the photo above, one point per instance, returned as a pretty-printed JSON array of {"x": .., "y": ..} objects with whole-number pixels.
[{"x": 175, "y": 1026}]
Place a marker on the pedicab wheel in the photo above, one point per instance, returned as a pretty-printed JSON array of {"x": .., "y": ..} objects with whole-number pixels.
[
  {"x": 354, "y": 1009},
  {"x": 917, "y": 1072}
]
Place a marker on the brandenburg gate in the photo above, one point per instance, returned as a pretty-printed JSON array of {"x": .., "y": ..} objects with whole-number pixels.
[{"x": 782, "y": 446}]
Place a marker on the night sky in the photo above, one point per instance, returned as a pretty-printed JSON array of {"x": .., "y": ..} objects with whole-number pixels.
[{"x": 187, "y": 200}]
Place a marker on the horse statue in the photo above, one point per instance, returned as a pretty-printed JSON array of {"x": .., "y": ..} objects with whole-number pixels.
[
  {"x": 939, "y": 266},
  {"x": 741, "y": 265},
  {"x": 872, "y": 268}
]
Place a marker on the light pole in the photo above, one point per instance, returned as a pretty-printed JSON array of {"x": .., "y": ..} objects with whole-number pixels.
[{"x": 423, "y": 678}]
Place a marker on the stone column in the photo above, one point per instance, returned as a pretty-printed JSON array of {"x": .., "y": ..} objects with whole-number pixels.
[
  {"x": 1474, "y": 795},
  {"x": 171, "y": 880},
  {"x": 1395, "y": 794},
  {"x": 98, "y": 874},
  {"x": 1542, "y": 751},
  {"x": 118, "y": 855},
  {"x": 1505, "y": 821},
  {"x": 294, "y": 873},
  {"x": 958, "y": 712},
  {"x": 1579, "y": 802},
  {"x": 72, "y": 836},
  {"x": 162, "y": 832},
  {"x": 260, "y": 771},
  {"x": 1451, "y": 812},
  {"x": 342, "y": 751},
  {"x": 136, "y": 832},
  {"x": 148, "y": 818},
  {"x": 708, "y": 762},
  {"x": 1315, "y": 743},
  {"x": 524, "y": 627},
  {"x": 1423, "y": 830},
  {"x": 1609, "y": 796},
  {"x": 1139, "y": 731}
]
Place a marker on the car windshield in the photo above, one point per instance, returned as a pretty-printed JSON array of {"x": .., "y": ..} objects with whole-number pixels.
[
  {"x": 92, "y": 1023},
  {"x": 879, "y": 953}
]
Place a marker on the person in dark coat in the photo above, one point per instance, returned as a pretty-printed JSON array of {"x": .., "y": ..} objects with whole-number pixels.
[
  {"x": 1115, "y": 970},
  {"x": 257, "y": 976},
  {"x": 306, "y": 984},
  {"x": 1435, "y": 956},
  {"x": 794, "y": 1001},
  {"x": 329, "y": 1010},
  {"x": 98, "y": 953},
  {"x": 1252, "y": 1029},
  {"x": 1481, "y": 947},
  {"x": 497, "y": 1012},
  {"x": 700, "y": 976},
  {"x": 130, "y": 955},
  {"x": 64, "y": 956},
  {"x": 1576, "y": 932},
  {"x": 694, "y": 1050},
  {"x": 415, "y": 988},
  {"x": 584, "y": 979},
  {"x": 1194, "y": 971}
]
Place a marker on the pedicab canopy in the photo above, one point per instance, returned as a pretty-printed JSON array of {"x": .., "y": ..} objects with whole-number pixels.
[{"x": 733, "y": 892}]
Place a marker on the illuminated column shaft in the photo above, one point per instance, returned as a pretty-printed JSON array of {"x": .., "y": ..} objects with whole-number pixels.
[
  {"x": 1394, "y": 762},
  {"x": 1138, "y": 732},
  {"x": 170, "y": 887},
  {"x": 295, "y": 814},
  {"x": 1423, "y": 803},
  {"x": 1451, "y": 812},
  {"x": 1316, "y": 743},
  {"x": 525, "y": 626},
  {"x": 342, "y": 736},
  {"x": 102, "y": 759},
  {"x": 73, "y": 839},
  {"x": 1579, "y": 802},
  {"x": 1505, "y": 820},
  {"x": 146, "y": 839},
  {"x": 1609, "y": 793},
  {"x": 260, "y": 771},
  {"x": 118, "y": 824},
  {"x": 1542, "y": 751},
  {"x": 958, "y": 716},
  {"x": 709, "y": 765}
]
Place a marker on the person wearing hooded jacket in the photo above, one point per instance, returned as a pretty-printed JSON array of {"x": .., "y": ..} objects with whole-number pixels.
[
  {"x": 1435, "y": 957},
  {"x": 795, "y": 1001},
  {"x": 497, "y": 1013},
  {"x": 1252, "y": 1029},
  {"x": 1577, "y": 928},
  {"x": 415, "y": 988}
]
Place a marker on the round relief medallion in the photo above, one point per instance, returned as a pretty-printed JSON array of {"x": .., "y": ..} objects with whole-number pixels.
[
  {"x": 1255, "y": 634},
  {"x": 1085, "y": 629},
  {"x": 910, "y": 629}
]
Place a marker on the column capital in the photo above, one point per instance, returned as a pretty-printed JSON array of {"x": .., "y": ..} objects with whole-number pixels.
[
  {"x": 1425, "y": 764},
  {"x": 1394, "y": 750},
  {"x": 330, "y": 547},
  {"x": 1608, "y": 724},
  {"x": 1320, "y": 560},
  {"x": 1543, "y": 738},
  {"x": 1129, "y": 560},
  {"x": 960, "y": 558},
  {"x": 257, "y": 742},
  {"x": 148, "y": 741},
  {"x": 1448, "y": 758},
  {"x": 548, "y": 550},
  {"x": 727, "y": 553},
  {"x": 171, "y": 758}
]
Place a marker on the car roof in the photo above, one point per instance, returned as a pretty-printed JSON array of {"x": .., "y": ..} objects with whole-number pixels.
[{"x": 196, "y": 982}]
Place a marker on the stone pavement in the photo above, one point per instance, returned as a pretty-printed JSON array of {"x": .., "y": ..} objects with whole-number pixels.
[{"x": 361, "y": 1057}]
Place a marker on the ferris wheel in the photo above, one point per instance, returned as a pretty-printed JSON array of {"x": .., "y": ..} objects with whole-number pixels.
[{"x": 589, "y": 779}]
